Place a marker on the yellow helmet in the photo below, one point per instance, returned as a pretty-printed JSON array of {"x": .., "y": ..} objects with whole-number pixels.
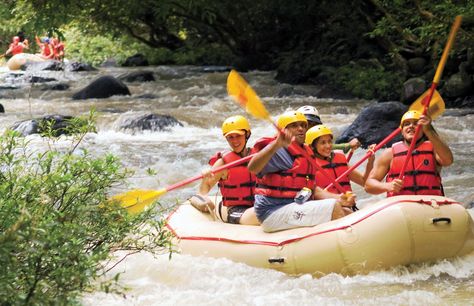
[
  {"x": 413, "y": 114},
  {"x": 235, "y": 125},
  {"x": 290, "y": 117},
  {"x": 315, "y": 132}
]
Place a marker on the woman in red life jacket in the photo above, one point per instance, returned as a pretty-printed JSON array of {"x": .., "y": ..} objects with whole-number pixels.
[
  {"x": 16, "y": 47},
  {"x": 422, "y": 174},
  {"x": 45, "y": 47},
  {"x": 320, "y": 138},
  {"x": 58, "y": 49},
  {"x": 237, "y": 184}
]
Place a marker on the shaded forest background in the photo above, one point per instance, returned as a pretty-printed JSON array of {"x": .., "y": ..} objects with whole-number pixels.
[{"x": 360, "y": 48}]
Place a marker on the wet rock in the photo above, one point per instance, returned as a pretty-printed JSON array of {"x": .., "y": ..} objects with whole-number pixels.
[
  {"x": 36, "y": 126},
  {"x": 416, "y": 65},
  {"x": 2, "y": 110},
  {"x": 374, "y": 123},
  {"x": 38, "y": 79},
  {"x": 138, "y": 76},
  {"x": 50, "y": 65},
  {"x": 78, "y": 66},
  {"x": 412, "y": 89},
  {"x": 458, "y": 85},
  {"x": 58, "y": 86},
  {"x": 149, "y": 121},
  {"x": 147, "y": 96},
  {"x": 136, "y": 60},
  {"x": 103, "y": 87},
  {"x": 211, "y": 69}
]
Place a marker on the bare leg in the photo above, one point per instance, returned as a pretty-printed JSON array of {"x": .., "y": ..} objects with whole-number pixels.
[{"x": 249, "y": 217}]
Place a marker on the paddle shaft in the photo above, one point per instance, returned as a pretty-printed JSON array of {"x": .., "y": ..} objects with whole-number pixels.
[
  {"x": 367, "y": 155},
  {"x": 218, "y": 169},
  {"x": 436, "y": 79}
]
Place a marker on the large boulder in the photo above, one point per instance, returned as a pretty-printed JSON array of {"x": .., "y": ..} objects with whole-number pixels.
[
  {"x": 36, "y": 126},
  {"x": 412, "y": 89},
  {"x": 104, "y": 87},
  {"x": 147, "y": 121},
  {"x": 374, "y": 123},
  {"x": 2, "y": 110}
]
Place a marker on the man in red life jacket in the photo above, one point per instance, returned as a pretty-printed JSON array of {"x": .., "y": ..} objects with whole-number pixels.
[
  {"x": 286, "y": 179},
  {"x": 422, "y": 174},
  {"x": 237, "y": 184},
  {"x": 16, "y": 47},
  {"x": 45, "y": 46},
  {"x": 320, "y": 138}
]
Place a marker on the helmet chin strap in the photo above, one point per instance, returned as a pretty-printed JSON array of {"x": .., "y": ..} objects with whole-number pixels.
[{"x": 245, "y": 145}]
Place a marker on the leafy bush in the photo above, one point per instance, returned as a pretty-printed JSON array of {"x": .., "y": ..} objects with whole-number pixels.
[
  {"x": 57, "y": 230},
  {"x": 366, "y": 82}
]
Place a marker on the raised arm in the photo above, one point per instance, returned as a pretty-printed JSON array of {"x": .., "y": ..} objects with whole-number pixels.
[
  {"x": 258, "y": 162},
  {"x": 443, "y": 153}
]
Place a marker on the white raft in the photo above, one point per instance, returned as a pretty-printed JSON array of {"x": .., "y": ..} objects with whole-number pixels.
[
  {"x": 395, "y": 231},
  {"x": 18, "y": 60}
]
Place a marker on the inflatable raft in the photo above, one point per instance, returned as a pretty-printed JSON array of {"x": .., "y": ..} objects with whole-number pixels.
[
  {"x": 395, "y": 231},
  {"x": 18, "y": 60}
]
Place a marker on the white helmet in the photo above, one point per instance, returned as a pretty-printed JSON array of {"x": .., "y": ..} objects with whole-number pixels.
[{"x": 311, "y": 113}]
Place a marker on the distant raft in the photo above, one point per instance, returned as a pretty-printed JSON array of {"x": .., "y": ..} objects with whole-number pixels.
[
  {"x": 399, "y": 230},
  {"x": 18, "y": 60}
]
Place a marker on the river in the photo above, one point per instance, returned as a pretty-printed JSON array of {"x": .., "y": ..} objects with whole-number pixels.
[{"x": 199, "y": 100}]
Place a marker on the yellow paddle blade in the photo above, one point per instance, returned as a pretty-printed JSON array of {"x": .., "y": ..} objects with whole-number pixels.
[
  {"x": 135, "y": 201},
  {"x": 243, "y": 93},
  {"x": 436, "y": 108}
]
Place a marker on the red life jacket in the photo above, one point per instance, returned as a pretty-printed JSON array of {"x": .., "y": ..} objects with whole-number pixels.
[
  {"x": 16, "y": 48},
  {"x": 421, "y": 175},
  {"x": 334, "y": 168},
  {"x": 45, "y": 50},
  {"x": 286, "y": 184},
  {"x": 57, "y": 50},
  {"x": 239, "y": 187}
]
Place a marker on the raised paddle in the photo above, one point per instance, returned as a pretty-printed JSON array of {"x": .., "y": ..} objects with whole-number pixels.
[
  {"x": 137, "y": 200},
  {"x": 426, "y": 101},
  {"x": 243, "y": 94},
  {"x": 436, "y": 109}
]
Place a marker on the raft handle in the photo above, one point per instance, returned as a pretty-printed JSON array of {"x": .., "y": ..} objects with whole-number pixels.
[
  {"x": 276, "y": 260},
  {"x": 442, "y": 219}
]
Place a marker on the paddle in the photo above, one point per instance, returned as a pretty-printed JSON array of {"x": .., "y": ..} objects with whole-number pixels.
[
  {"x": 427, "y": 99},
  {"x": 243, "y": 94},
  {"x": 436, "y": 109},
  {"x": 137, "y": 200}
]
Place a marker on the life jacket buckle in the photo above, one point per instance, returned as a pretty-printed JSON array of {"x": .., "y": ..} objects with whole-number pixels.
[{"x": 434, "y": 204}]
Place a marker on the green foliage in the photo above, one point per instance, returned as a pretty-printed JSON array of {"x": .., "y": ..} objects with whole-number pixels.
[
  {"x": 365, "y": 81},
  {"x": 57, "y": 230}
]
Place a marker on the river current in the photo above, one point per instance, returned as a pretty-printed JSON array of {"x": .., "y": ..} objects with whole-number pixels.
[{"x": 199, "y": 101}]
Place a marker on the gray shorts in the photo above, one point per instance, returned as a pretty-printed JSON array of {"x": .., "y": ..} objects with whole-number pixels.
[{"x": 299, "y": 215}]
